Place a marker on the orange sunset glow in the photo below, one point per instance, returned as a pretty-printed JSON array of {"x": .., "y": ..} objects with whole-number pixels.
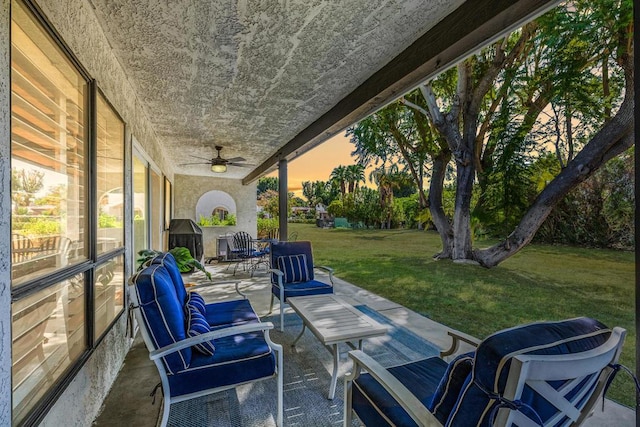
[{"x": 317, "y": 164}]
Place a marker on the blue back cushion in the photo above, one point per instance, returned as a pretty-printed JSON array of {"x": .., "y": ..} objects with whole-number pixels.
[
  {"x": 280, "y": 249},
  {"x": 294, "y": 268},
  {"x": 169, "y": 262},
  {"x": 163, "y": 313},
  {"x": 195, "y": 300},
  {"x": 455, "y": 377},
  {"x": 493, "y": 360}
]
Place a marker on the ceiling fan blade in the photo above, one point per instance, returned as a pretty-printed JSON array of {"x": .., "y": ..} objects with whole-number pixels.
[
  {"x": 236, "y": 159},
  {"x": 198, "y": 163},
  {"x": 240, "y": 165},
  {"x": 198, "y": 157}
]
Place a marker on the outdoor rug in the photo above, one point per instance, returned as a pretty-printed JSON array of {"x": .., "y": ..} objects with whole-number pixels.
[{"x": 307, "y": 373}]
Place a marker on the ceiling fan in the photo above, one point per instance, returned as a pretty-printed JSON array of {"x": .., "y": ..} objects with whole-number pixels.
[{"x": 219, "y": 164}]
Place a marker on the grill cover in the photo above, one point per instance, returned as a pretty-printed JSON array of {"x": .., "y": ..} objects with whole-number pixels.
[{"x": 186, "y": 233}]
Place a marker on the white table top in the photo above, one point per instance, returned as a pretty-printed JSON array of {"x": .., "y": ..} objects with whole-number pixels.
[{"x": 334, "y": 321}]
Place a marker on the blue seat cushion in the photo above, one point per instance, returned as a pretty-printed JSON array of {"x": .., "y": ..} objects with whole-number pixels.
[
  {"x": 237, "y": 359},
  {"x": 254, "y": 253},
  {"x": 312, "y": 287},
  {"x": 197, "y": 325},
  {"x": 374, "y": 405},
  {"x": 163, "y": 314},
  {"x": 226, "y": 313},
  {"x": 294, "y": 268}
]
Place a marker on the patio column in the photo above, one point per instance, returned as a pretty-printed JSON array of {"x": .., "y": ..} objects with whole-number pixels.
[
  {"x": 5, "y": 215},
  {"x": 282, "y": 198}
]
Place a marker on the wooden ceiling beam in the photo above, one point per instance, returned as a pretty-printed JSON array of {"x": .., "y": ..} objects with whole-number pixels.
[{"x": 472, "y": 26}]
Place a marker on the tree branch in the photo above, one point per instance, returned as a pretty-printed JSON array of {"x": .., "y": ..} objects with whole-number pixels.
[
  {"x": 615, "y": 137},
  {"x": 414, "y": 106}
]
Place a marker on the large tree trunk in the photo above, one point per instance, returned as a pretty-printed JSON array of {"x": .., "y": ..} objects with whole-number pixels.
[
  {"x": 465, "y": 175},
  {"x": 438, "y": 216},
  {"x": 614, "y": 138}
]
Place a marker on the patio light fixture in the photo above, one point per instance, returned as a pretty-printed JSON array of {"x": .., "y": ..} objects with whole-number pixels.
[{"x": 219, "y": 168}]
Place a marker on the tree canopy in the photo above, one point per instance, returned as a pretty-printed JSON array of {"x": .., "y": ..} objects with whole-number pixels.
[{"x": 560, "y": 88}]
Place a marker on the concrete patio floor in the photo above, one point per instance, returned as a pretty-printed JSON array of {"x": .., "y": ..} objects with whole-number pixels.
[{"x": 129, "y": 402}]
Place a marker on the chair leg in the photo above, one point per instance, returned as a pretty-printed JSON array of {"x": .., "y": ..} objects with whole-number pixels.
[
  {"x": 166, "y": 408},
  {"x": 282, "y": 303},
  {"x": 280, "y": 390},
  {"x": 281, "y": 317},
  {"x": 279, "y": 377},
  {"x": 349, "y": 378},
  {"x": 252, "y": 266},
  {"x": 271, "y": 305},
  {"x": 347, "y": 402}
]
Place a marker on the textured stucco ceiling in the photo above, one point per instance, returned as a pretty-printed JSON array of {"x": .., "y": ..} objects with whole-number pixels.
[{"x": 250, "y": 75}]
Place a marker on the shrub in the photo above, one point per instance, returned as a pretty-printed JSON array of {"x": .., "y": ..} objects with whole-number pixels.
[
  {"x": 336, "y": 209},
  {"x": 108, "y": 221},
  {"x": 215, "y": 221},
  {"x": 265, "y": 225},
  {"x": 40, "y": 227},
  {"x": 186, "y": 263}
]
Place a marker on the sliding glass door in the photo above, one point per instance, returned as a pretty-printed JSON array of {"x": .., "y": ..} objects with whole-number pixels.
[
  {"x": 140, "y": 196},
  {"x": 148, "y": 204}
]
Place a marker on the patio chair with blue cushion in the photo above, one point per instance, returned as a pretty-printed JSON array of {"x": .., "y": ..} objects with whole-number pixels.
[
  {"x": 200, "y": 348},
  {"x": 540, "y": 374},
  {"x": 292, "y": 274}
]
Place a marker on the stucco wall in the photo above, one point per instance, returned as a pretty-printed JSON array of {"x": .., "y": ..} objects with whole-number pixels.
[
  {"x": 188, "y": 190},
  {"x": 5, "y": 215},
  {"x": 83, "y": 398}
]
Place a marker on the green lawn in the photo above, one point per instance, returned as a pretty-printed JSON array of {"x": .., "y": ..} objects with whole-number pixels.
[{"x": 539, "y": 283}]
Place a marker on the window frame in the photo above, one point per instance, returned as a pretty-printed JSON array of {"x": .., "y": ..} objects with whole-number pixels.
[
  {"x": 101, "y": 259},
  {"x": 87, "y": 268},
  {"x": 94, "y": 176},
  {"x": 168, "y": 203}
]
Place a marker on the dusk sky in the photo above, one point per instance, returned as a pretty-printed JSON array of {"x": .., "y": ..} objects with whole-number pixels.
[{"x": 317, "y": 164}]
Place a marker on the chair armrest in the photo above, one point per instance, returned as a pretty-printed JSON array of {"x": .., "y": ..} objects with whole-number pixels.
[
  {"x": 204, "y": 285},
  {"x": 218, "y": 333},
  {"x": 409, "y": 402},
  {"x": 457, "y": 338},
  {"x": 327, "y": 269},
  {"x": 226, "y": 282},
  {"x": 279, "y": 274},
  {"x": 276, "y": 272}
]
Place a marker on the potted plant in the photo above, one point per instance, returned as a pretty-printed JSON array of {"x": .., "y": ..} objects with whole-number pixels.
[{"x": 186, "y": 263}]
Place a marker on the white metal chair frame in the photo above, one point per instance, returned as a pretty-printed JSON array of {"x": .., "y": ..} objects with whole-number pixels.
[
  {"x": 531, "y": 370},
  {"x": 535, "y": 371}
]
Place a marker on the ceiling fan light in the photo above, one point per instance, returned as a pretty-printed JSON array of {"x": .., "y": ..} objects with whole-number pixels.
[{"x": 219, "y": 168}]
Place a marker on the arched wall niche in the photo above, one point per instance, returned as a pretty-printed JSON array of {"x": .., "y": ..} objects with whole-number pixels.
[{"x": 214, "y": 200}]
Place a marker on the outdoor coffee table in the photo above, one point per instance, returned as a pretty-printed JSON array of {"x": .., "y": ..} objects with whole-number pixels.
[{"x": 333, "y": 321}]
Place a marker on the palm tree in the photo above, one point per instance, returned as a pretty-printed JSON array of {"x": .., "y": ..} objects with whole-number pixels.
[
  {"x": 386, "y": 180},
  {"x": 339, "y": 176},
  {"x": 354, "y": 176},
  {"x": 308, "y": 191}
]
